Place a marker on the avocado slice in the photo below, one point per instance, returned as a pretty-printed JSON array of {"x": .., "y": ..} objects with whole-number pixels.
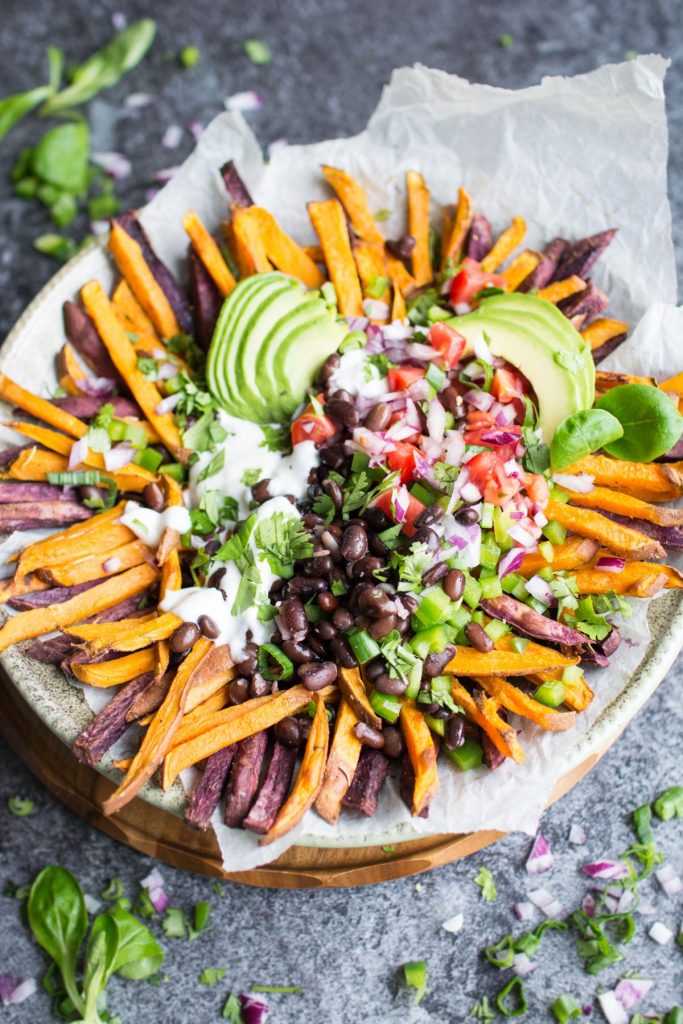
[
  {"x": 533, "y": 335},
  {"x": 271, "y": 338}
]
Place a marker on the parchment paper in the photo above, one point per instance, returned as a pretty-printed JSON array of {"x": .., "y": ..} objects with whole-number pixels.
[{"x": 573, "y": 156}]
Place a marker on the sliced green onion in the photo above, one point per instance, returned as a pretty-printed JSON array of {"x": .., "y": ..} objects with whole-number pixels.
[
  {"x": 268, "y": 652},
  {"x": 282, "y": 989},
  {"x": 504, "y": 947},
  {"x": 566, "y": 1008},
  {"x": 363, "y": 646},
  {"x": 550, "y": 693},
  {"x": 388, "y": 708},
  {"x": 20, "y": 807},
  {"x": 415, "y": 975},
  {"x": 257, "y": 51},
  {"x": 58, "y": 247},
  {"x": 669, "y": 803},
  {"x": 87, "y": 478},
  {"x": 467, "y": 756},
  {"x": 514, "y": 989}
]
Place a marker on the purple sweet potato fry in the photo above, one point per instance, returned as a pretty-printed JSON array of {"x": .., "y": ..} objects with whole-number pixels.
[
  {"x": 51, "y": 651},
  {"x": 109, "y": 724},
  {"x": 580, "y": 257},
  {"x": 43, "y": 598},
  {"x": 82, "y": 333},
  {"x": 530, "y": 623},
  {"x": 674, "y": 454},
  {"x": 608, "y": 646},
  {"x": 368, "y": 779},
  {"x": 607, "y": 347},
  {"x": 274, "y": 790},
  {"x": 33, "y": 515},
  {"x": 244, "y": 778},
  {"x": 588, "y": 303},
  {"x": 162, "y": 275},
  {"x": 204, "y": 798},
  {"x": 480, "y": 237},
  {"x": 17, "y": 492},
  {"x": 543, "y": 272},
  {"x": 85, "y": 407},
  {"x": 206, "y": 300},
  {"x": 8, "y": 455},
  {"x": 667, "y": 536},
  {"x": 235, "y": 187}
]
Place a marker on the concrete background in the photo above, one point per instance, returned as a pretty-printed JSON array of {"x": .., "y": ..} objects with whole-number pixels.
[{"x": 329, "y": 63}]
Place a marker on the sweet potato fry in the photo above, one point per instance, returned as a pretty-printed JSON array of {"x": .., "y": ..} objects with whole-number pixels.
[
  {"x": 274, "y": 789},
  {"x": 26, "y": 625},
  {"x": 314, "y": 252},
  {"x": 574, "y": 552},
  {"x": 674, "y": 384},
  {"x": 352, "y": 197},
  {"x": 162, "y": 656},
  {"x": 603, "y": 330},
  {"x": 638, "y": 579},
  {"x": 204, "y": 798},
  {"x": 520, "y": 268},
  {"x": 140, "y": 634},
  {"x": 649, "y": 481},
  {"x": 244, "y": 778},
  {"x": 371, "y": 267},
  {"x": 605, "y": 381},
  {"x": 452, "y": 242},
  {"x": 236, "y": 723},
  {"x": 505, "y": 244},
  {"x": 134, "y": 318},
  {"x": 145, "y": 392},
  {"x": 34, "y": 464},
  {"x": 500, "y": 662},
  {"x": 483, "y": 711},
  {"x": 127, "y": 556},
  {"x": 109, "y": 724},
  {"x": 418, "y": 226},
  {"x": 119, "y": 670},
  {"x": 329, "y": 222},
  {"x": 159, "y": 734},
  {"x": 398, "y": 304},
  {"x": 102, "y": 532},
  {"x": 422, "y": 754},
  {"x": 353, "y": 688},
  {"x": 108, "y": 630},
  {"x": 281, "y": 250},
  {"x": 626, "y": 505},
  {"x": 559, "y": 290},
  {"x": 209, "y": 253},
  {"x": 521, "y": 704},
  {"x": 366, "y": 785},
  {"x": 206, "y": 300},
  {"x": 69, "y": 370},
  {"x": 617, "y": 538},
  {"x": 309, "y": 780},
  {"x": 40, "y": 408},
  {"x": 171, "y": 575},
  {"x": 341, "y": 764},
  {"x": 81, "y": 332},
  {"x": 216, "y": 701},
  {"x": 132, "y": 264},
  {"x": 249, "y": 247},
  {"x": 197, "y": 721},
  {"x": 399, "y": 276}
]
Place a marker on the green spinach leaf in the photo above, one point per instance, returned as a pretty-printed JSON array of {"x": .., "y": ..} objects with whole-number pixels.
[
  {"x": 650, "y": 421},
  {"x": 139, "y": 955},
  {"x": 59, "y": 920},
  {"x": 582, "y": 433},
  {"x": 61, "y": 157}
]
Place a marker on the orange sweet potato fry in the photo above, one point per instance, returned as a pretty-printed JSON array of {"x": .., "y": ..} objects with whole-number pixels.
[
  {"x": 11, "y": 587},
  {"x": 521, "y": 704},
  {"x": 162, "y": 656},
  {"x": 134, "y": 318},
  {"x": 309, "y": 780},
  {"x": 160, "y": 732},
  {"x": 577, "y": 694},
  {"x": 194, "y": 719},
  {"x": 140, "y": 633},
  {"x": 215, "y": 672},
  {"x": 605, "y": 381},
  {"x": 601, "y": 330},
  {"x": 398, "y": 304},
  {"x": 39, "y": 621},
  {"x": 649, "y": 481},
  {"x": 454, "y": 239},
  {"x": 422, "y": 755},
  {"x": 637, "y": 579},
  {"x": 282, "y": 251},
  {"x": 171, "y": 575},
  {"x": 209, "y": 253},
  {"x": 341, "y": 764},
  {"x": 418, "y": 226},
  {"x": 315, "y": 252},
  {"x": 505, "y": 244},
  {"x": 247, "y": 243},
  {"x": 674, "y": 384},
  {"x": 40, "y": 408},
  {"x": 482, "y": 710},
  {"x": 88, "y": 631},
  {"x": 127, "y": 556},
  {"x": 328, "y": 220},
  {"x": 559, "y": 290},
  {"x": 170, "y": 541},
  {"x": 352, "y": 197},
  {"x": 69, "y": 370},
  {"x": 145, "y": 392},
  {"x": 574, "y": 552},
  {"x": 503, "y": 662},
  {"x": 626, "y": 505},
  {"x": 131, "y": 263},
  {"x": 520, "y": 268},
  {"x": 119, "y": 670},
  {"x": 102, "y": 532},
  {"x": 34, "y": 464},
  {"x": 622, "y": 540},
  {"x": 400, "y": 277},
  {"x": 372, "y": 269},
  {"x": 353, "y": 688}
]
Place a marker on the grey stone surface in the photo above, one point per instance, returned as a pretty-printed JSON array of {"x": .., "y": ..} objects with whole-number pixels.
[{"x": 329, "y": 63}]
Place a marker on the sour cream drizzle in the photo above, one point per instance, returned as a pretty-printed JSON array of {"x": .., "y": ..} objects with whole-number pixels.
[{"x": 149, "y": 525}]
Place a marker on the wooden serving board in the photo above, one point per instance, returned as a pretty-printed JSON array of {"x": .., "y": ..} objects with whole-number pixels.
[{"x": 165, "y": 836}]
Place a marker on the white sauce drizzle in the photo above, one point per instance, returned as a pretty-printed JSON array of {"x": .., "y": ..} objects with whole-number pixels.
[
  {"x": 149, "y": 525},
  {"x": 357, "y": 375}
]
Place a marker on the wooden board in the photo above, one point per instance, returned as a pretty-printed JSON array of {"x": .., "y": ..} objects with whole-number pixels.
[{"x": 165, "y": 836}]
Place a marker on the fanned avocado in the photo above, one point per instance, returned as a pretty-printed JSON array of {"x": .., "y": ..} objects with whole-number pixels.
[
  {"x": 271, "y": 339},
  {"x": 533, "y": 335}
]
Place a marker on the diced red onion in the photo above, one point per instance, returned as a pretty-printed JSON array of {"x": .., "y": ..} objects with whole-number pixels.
[
  {"x": 244, "y": 101},
  {"x": 154, "y": 884},
  {"x": 461, "y": 308},
  {"x": 470, "y": 493},
  {"x": 524, "y": 911},
  {"x": 195, "y": 128},
  {"x": 154, "y": 880},
  {"x": 660, "y": 933},
  {"x": 523, "y": 966},
  {"x": 167, "y": 371},
  {"x": 411, "y": 415},
  {"x": 96, "y": 387},
  {"x": 275, "y": 146},
  {"x": 400, "y": 431},
  {"x": 540, "y": 858},
  {"x": 401, "y": 503},
  {"x": 546, "y": 903},
  {"x": 397, "y": 330},
  {"x": 425, "y": 471},
  {"x": 646, "y": 908},
  {"x": 417, "y": 350},
  {"x": 111, "y": 564},
  {"x": 609, "y": 563},
  {"x": 420, "y": 389},
  {"x": 541, "y": 519},
  {"x": 577, "y": 835},
  {"x": 165, "y": 174},
  {"x": 513, "y": 469},
  {"x": 499, "y": 437},
  {"x": 254, "y": 1011},
  {"x": 375, "y": 309},
  {"x": 172, "y": 137},
  {"x": 589, "y": 905},
  {"x": 669, "y": 880},
  {"x": 608, "y": 869},
  {"x": 135, "y": 100},
  {"x": 504, "y": 414},
  {"x": 454, "y": 924},
  {"x": 436, "y": 420},
  {"x": 168, "y": 404},
  {"x": 626, "y": 901},
  {"x": 357, "y": 323},
  {"x": 630, "y": 991},
  {"x": 159, "y": 900},
  {"x": 521, "y": 536},
  {"x": 116, "y": 165},
  {"x": 580, "y": 483},
  {"x": 370, "y": 442},
  {"x": 510, "y": 561},
  {"x": 481, "y": 400},
  {"x": 454, "y": 447},
  {"x": 14, "y": 992},
  {"x": 118, "y": 457},
  {"x": 78, "y": 453},
  {"x": 613, "y": 1010}
]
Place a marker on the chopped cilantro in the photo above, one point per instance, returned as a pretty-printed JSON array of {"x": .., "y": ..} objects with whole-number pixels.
[
  {"x": 482, "y": 1011},
  {"x": 400, "y": 660},
  {"x": 232, "y": 1011},
  {"x": 484, "y": 879},
  {"x": 276, "y": 437},
  {"x": 325, "y": 507},
  {"x": 419, "y": 307},
  {"x": 537, "y": 455},
  {"x": 377, "y": 286},
  {"x": 412, "y": 566},
  {"x": 257, "y": 51},
  {"x": 148, "y": 367},
  {"x": 380, "y": 362},
  {"x": 175, "y": 924},
  {"x": 215, "y": 466},
  {"x": 144, "y": 906},
  {"x": 382, "y": 215},
  {"x": 284, "y": 540},
  {"x": 444, "y": 473},
  {"x": 212, "y": 975},
  {"x": 251, "y": 477}
]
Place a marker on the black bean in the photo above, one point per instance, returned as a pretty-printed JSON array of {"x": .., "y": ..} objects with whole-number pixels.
[
  {"x": 454, "y": 584},
  {"x": 441, "y": 713},
  {"x": 212, "y": 547},
  {"x": 276, "y": 588},
  {"x": 368, "y": 736},
  {"x": 342, "y": 618},
  {"x": 341, "y": 652},
  {"x": 435, "y": 663},
  {"x": 377, "y": 546},
  {"x": 298, "y": 651},
  {"x": 401, "y": 248},
  {"x": 325, "y": 629},
  {"x": 306, "y": 585},
  {"x": 430, "y": 515},
  {"x": 319, "y": 565},
  {"x": 378, "y": 417},
  {"x": 215, "y": 578},
  {"x": 184, "y": 637},
  {"x": 374, "y": 602},
  {"x": 247, "y": 666},
  {"x": 317, "y": 645},
  {"x": 452, "y": 400},
  {"x": 409, "y": 603},
  {"x": 333, "y": 456},
  {"x": 334, "y": 492},
  {"x": 391, "y": 687},
  {"x": 365, "y": 567},
  {"x": 479, "y": 639},
  {"x": 258, "y": 687},
  {"x": 238, "y": 690},
  {"x": 311, "y": 520},
  {"x": 355, "y": 543},
  {"x": 288, "y": 732},
  {"x": 329, "y": 366},
  {"x": 327, "y": 601},
  {"x": 294, "y": 615},
  {"x": 434, "y": 574},
  {"x": 428, "y": 537},
  {"x": 317, "y": 674},
  {"x": 393, "y": 741},
  {"x": 332, "y": 544},
  {"x": 208, "y": 627},
  {"x": 260, "y": 492},
  {"x": 467, "y": 516},
  {"x": 153, "y": 496},
  {"x": 376, "y": 518},
  {"x": 373, "y": 668},
  {"x": 382, "y": 627},
  {"x": 314, "y": 490},
  {"x": 429, "y": 709},
  {"x": 454, "y": 734},
  {"x": 341, "y": 408}
]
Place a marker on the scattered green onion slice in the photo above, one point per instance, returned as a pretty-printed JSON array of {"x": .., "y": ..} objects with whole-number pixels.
[
  {"x": 565, "y": 1008},
  {"x": 268, "y": 653},
  {"x": 257, "y": 51},
  {"x": 515, "y": 990},
  {"x": 415, "y": 975}
]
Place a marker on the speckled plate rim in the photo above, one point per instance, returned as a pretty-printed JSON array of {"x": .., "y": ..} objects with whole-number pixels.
[{"x": 64, "y": 710}]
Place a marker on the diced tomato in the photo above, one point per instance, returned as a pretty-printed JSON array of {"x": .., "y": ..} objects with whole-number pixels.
[
  {"x": 401, "y": 377},
  {"x": 309, "y": 427},
  {"x": 398, "y": 417},
  {"x": 536, "y": 486},
  {"x": 486, "y": 472},
  {"x": 448, "y": 342},
  {"x": 402, "y": 460},
  {"x": 385, "y": 502},
  {"x": 508, "y": 385},
  {"x": 480, "y": 423},
  {"x": 470, "y": 279}
]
